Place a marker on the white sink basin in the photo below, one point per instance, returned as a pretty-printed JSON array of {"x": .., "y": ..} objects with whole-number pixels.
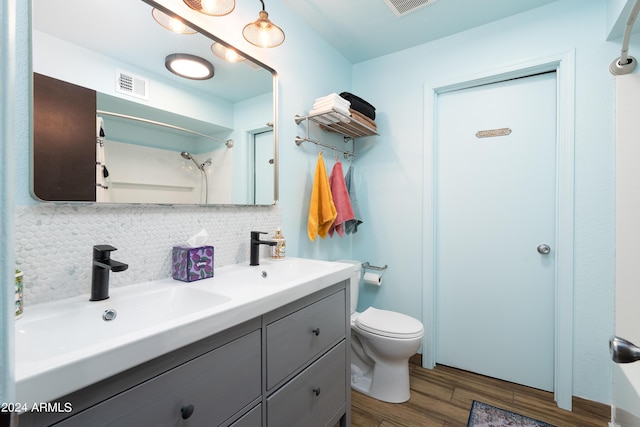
[
  {"x": 66, "y": 345},
  {"x": 282, "y": 273},
  {"x": 80, "y": 323}
]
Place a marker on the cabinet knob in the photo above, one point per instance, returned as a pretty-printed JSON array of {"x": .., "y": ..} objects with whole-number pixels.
[
  {"x": 316, "y": 331},
  {"x": 186, "y": 411},
  {"x": 316, "y": 391}
]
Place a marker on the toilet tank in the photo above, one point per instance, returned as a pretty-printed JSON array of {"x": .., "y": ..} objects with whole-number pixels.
[{"x": 354, "y": 282}]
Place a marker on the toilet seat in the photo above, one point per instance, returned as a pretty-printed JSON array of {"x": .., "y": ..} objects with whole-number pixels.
[{"x": 389, "y": 324}]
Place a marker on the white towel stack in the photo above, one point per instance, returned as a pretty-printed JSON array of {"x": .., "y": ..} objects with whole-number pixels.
[{"x": 328, "y": 105}]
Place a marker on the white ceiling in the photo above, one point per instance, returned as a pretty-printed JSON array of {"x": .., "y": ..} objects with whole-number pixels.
[
  {"x": 365, "y": 29},
  {"x": 359, "y": 29}
]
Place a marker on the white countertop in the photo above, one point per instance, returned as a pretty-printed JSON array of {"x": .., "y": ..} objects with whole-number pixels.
[{"x": 65, "y": 345}]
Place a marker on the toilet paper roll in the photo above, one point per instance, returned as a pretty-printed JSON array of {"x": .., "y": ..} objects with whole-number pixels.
[{"x": 373, "y": 279}]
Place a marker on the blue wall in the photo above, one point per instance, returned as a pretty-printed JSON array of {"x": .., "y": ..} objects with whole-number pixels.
[
  {"x": 391, "y": 172},
  {"x": 389, "y": 168}
]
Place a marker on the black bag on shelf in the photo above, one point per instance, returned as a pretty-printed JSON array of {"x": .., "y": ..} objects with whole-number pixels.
[{"x": 360, "y": 105}]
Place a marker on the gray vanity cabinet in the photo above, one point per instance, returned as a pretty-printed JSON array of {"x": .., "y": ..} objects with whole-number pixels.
[
  {"x": 303, "y": 335},
  {"x": 289, "y": 367},
  {"x": 252, "y": 418},
  {"x": 312, "y": 398},
  {"x": 205, "y": 391},
  {"x": 308, "y": 361}
]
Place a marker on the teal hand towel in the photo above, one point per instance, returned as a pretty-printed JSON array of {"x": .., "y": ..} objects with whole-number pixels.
[{"x": 351, "y": 226}]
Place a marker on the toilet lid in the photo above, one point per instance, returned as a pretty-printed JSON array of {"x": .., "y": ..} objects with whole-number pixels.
[{"x": 389, "y": 324}]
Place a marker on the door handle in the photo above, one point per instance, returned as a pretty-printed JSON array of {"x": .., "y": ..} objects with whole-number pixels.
[{"x": 543, "y": 249}]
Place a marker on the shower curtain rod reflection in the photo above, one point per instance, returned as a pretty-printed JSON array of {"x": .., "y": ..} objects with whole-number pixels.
[{"x": 228, "y": 142}]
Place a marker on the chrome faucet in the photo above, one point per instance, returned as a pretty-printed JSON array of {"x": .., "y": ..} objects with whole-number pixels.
[
  {"x": 254, "y": 258},
  {"x": 102, "y": 264}
]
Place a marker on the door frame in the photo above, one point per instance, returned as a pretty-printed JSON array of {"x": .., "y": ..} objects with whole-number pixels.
[
  {"x": 564, "y": 66},
  {"x": 253, "y": 144}
]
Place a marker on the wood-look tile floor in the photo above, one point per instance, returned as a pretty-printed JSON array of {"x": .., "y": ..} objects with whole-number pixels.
[{"x": 443, "y": 396}]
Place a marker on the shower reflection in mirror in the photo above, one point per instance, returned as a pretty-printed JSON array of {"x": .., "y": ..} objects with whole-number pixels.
[
  {"x": 154, "y": 162},
  {"x": 186, "y": 155}
]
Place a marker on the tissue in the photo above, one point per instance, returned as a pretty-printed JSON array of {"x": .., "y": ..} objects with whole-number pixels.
[
  {"x": 198, "y": 239},
  {"x": 194, "y": 260}
]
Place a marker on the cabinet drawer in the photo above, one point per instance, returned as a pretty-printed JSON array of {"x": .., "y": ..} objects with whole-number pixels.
[
  {"x": 218, "y": 384},
  {"x": 253, "y": 418},
  {"x": 292, "y": 342},
  {"x": 297, "y": 404}
]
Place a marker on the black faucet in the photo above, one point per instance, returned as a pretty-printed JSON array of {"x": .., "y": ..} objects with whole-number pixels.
[
  {"x": 254, "y": 258},
  {"x": 102, "y": 264}
]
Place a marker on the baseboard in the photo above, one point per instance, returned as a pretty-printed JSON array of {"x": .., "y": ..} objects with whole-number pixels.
[{"x": 416, "y": 359}]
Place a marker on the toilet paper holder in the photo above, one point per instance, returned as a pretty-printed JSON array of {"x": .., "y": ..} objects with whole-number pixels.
[{"x": 368, "y": 266}]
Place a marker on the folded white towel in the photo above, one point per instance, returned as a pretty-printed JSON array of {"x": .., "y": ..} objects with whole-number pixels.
[
  {"x": 330, "y": 97},
  {"x": 338, "y": 108},
  {"x": 340, "y": 101},
  {"x": 330, "y": 104}
]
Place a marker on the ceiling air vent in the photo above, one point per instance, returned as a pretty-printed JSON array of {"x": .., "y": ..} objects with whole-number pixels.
[
  {"x": 404, "y": 7},
  {"x": 132, "y": 85}
]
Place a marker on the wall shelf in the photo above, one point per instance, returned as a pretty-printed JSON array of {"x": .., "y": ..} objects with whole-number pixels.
[{"x": 335, "y": 121}]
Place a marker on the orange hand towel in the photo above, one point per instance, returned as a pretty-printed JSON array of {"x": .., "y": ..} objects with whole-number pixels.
[{"x": 322, "y": 211}]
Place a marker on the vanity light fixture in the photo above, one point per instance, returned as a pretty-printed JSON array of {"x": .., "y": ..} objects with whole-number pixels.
[
  {"x": 212, "y": 7},
  {"x": 171, "y": 23},
  {"x": 226, "y": 53},
  {"x": 189, "y": 66},
  {"x": 263, "y": 32}
]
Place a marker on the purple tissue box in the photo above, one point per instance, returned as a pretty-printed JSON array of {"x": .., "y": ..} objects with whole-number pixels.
[{"x": 191, "y": 264}]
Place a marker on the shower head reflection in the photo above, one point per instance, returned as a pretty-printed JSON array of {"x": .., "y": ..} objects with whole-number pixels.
[{"x": 187, "y": 156}]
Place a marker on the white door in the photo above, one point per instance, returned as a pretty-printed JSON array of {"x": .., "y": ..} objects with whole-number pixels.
[
  {"x": 263, "y": 168},
  {"x": 495, "y": 219}
]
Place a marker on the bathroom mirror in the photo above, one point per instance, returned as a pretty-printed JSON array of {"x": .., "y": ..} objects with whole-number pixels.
[{"x": 111, "y": 119}]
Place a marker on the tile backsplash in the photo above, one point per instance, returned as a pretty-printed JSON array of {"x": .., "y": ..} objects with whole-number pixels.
[{"x": 54, "y": 242}]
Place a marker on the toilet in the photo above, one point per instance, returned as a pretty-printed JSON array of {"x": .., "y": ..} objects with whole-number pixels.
[{"x": 382, "y": 342}]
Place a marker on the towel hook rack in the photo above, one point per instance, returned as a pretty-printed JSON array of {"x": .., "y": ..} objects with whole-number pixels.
[
  {"x": 368, "y": 266},
  {"x": 347, "y": 154}
]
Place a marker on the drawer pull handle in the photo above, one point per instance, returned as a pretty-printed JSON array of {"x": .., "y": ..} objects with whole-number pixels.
[
  {"x": 316, "y": 391},
  {"x": 186, "y": 411},
  {"x": 316, "y": 331}
]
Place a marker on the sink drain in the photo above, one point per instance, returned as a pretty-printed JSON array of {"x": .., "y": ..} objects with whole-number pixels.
[{"x": 109, "y": 315}]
